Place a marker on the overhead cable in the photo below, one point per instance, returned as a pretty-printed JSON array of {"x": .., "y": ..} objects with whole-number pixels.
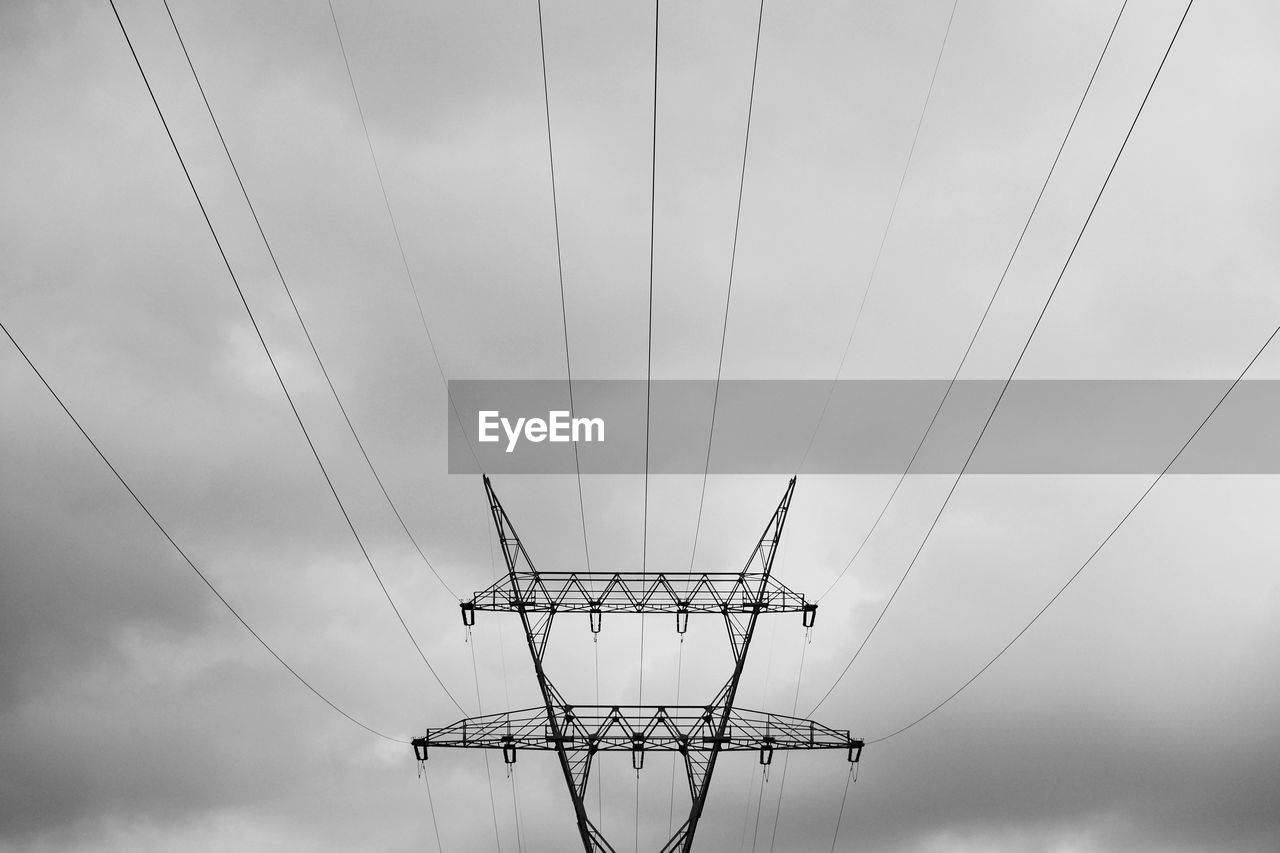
[
  {"x": 306, "y": 331},
  {"x": 986, "y": 311},
  {"x": 884, "y": 235},
  {"x": 728, "y": 296},
  {"x": 395, "y": 228},
  {"x": 1026, "y": 344},
  {"x": 183, "y": 554},
  {"x": 1093, "y": 554},
  {"x": 564, "y": 313},
  {"x": 275, "y": 369}
]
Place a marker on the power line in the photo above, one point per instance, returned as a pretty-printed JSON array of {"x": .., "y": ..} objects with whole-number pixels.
[
  {"x": 183, "y": 554},
  {"x": 1095, "y": 552},
  {"x": 595, "y": 649},
  {"x": 493, "y": 807},
  {"x": 648, "y": 379},
  {"x": 1044, "y": 308},
  {"x": 768, "y": 675},
  {"x": 296, "y": 311},
  {"x": 728, "y": 296},
  {"x": 280, "y": 379},
  {"x": 985, "y": 313},
  {"x": 675, "y": 759},
  {"x": 724, "y": 332},
  {"x": 746, "y": 807},
  {"x": 884, "y": 236},
  {"x": 431, "y": 806},
  {"x": 786, "y": 759},
  {"x": 395, "y": 228},
  {"x": 844, "y": 800},
  {"x": 502, "y": 655},
  {"x": 564, "y": 314},
  {"x": 755, "y": 832},
  {"x": 515, "y": 807}
]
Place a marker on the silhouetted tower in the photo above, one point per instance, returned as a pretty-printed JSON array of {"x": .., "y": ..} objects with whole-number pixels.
[{"x": 576, "y": 733}]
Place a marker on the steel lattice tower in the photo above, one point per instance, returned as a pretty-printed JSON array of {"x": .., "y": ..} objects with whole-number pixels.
[{"x": 699, "y": 733}]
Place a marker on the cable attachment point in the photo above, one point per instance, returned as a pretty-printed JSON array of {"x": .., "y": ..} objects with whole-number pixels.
[
  {"x": 766, "y": 752},
  {"x": 682, "y": 618}
]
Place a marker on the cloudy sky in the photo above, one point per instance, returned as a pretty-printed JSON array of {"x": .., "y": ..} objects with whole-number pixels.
[{"x": 136, "y": 714}]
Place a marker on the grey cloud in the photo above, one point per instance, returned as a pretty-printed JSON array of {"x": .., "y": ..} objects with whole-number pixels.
[{"x": 134, "y": 714}]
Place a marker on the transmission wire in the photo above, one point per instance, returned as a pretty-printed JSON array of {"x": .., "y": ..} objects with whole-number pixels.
[
  {"x": 728, "y": 296},
  {"x": 600, "y": 772},
  {"x": 755, "y": 833},
  {"x": 884, "y": 236},
  {"x": 493, "y": 807},
  {"x": 986, "y": 311},
  {"x": 515, "y": 808},
  {"x": 564, "y": 314},
  {"x": 489, "y": 534},
  {"x": 506, "y": 690},
  {"x": 720, "y": 361},
  {"x": 431, "y": 806},
  {"x": 564, "y": 317},
  {"x": 183, "y": 554},
  {"x": 296, "y": 311},
  {"x": 675, "y": 758},
  {"x": 395, "y": 228},
  {"x": 1089, "y": 559},
  {"x": 275, "y": 369},
  {"x": 648, "y": 381},
  {"x": 844, "y": 799},
  {"x": 1008, "y": 381},
  {"x": 746, "y": 803},
  {"x": 786, "y": 757},
  {"x": 764, "y": 770},
  {"x": 746, "y": 807}
]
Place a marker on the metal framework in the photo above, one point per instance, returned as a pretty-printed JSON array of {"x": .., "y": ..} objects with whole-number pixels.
[
  {"x": 597, "y": 593},
  {"x": 699, "y": 733}
]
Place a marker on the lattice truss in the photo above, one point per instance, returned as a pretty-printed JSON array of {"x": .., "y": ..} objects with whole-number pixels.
[{"x": 577, "y": 733}]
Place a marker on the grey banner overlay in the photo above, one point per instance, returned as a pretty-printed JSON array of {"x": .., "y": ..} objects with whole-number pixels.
[{"x": 872, "y": 426}]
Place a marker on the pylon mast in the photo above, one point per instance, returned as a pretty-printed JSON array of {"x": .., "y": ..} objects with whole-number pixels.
[{"x": 576, "y": 733}]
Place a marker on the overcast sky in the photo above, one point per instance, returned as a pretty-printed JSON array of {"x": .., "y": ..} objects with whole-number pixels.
[{"x": 135, "y": 713}]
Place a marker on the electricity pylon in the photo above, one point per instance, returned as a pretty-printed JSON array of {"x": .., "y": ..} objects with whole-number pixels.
[{"x": 699, "y": 733}]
